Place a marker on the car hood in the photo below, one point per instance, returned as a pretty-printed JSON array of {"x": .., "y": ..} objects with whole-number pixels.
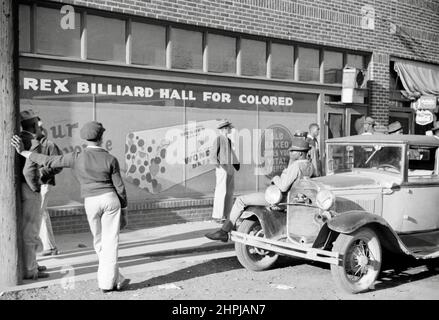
[{"x": 359, "y": 180}]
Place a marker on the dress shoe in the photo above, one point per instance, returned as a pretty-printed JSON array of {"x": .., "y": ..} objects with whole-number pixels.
[
  {"x": 42, "y": 268},
  {"x": 50, "y": 252},
  {"x": 123, "y": 285},
  {"x": 118, "y": 287},
  {"x": 218, "y": 235},
  {"x": 37, "y": 275}
]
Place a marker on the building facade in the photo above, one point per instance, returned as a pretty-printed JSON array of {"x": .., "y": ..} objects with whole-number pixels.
[{"x": 160, "y": 75}]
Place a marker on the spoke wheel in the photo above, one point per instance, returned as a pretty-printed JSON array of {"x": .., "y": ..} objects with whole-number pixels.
[
  {"x": 252, "y": 258},
  {"x": 360, "y": 260}
]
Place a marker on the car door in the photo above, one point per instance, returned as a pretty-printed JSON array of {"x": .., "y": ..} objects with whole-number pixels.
[{"x": 419, "y": 196}]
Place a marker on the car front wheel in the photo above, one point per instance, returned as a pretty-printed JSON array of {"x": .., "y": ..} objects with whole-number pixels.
[
  {"x": 360, "y": 260},
  {"x": 250, "y": 257}
]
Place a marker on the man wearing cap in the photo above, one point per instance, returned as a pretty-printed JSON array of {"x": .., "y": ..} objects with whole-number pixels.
[
  {"x": 47, "y": 178},
  {"x": 369, "y": 126},
  {"x": 298, "y": 167},
  {"x": 30, "y": 196},
  {"x": 104, "y": 195},
  {"x": 226, "y": 162},
  {"x": 395, "y": 128}
]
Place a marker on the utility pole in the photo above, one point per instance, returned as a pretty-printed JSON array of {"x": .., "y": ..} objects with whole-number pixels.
[{"x": 10, "y": 208}]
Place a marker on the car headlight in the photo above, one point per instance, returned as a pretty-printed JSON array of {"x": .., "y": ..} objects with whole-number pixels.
[
  {"x": 325, "y": 199},
  {"x": 273, "y": 195}
]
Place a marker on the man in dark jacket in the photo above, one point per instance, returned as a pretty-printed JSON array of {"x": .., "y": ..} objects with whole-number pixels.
[
  {"x": 30, "y": 196},
  {"x": 226, "y": 162},
  {"x": 47, "y": 179},
  {"x": 314, "y": 152}
]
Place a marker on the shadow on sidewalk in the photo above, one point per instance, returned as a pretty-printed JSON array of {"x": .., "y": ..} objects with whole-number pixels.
[
  {"x": 195, "y": 271},
  {"x": 177, "y": 237}
]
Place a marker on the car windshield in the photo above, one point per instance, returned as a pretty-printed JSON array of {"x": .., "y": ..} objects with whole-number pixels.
[{"x": 345, "y": 157}]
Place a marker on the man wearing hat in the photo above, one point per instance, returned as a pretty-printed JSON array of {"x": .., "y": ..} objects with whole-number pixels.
[
  {"x": 104, "y": 195},
  {"x": 369, "y": 126},
  {"x": 298, "y": 167},
  {"x": 395, "y": 128},
  {"x": 226, "y": 162},
  {"x": 30, "y": 196}
]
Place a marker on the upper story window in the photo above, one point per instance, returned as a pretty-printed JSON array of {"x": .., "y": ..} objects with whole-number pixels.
[
  {"x": 253, "y": 58},
  {"x": 187, "y": 49},
  {"x": 282, "y": 60},
  {"x": 52, "y": 38},
  {"x": 309, "y": 69},
  {"x": 24, "y": 28},
  {"x": 333, "y": 65},
  {"x": 222, "y": 53},
  {"x": 355, "y": 61},
  {"x": 105, "y": 38},
  {"x": 148, "y": 44}
]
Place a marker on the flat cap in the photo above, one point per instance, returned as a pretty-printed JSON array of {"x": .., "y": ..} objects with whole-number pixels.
[
  {"x": 92, "y": 131},
  {"x": 298, "y": 144},
  {"x": 28, "y": 115},
  {"x": 395, "y": 126},
  {"x": 369, "y": 120},
  {"x": 224, "y": 123}
]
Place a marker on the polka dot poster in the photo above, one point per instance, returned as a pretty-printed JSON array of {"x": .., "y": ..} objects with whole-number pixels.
[{"x": 161, "y": 158}]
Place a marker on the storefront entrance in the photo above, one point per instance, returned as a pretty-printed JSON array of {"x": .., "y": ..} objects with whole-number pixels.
[{"x": 342, "y": 121}]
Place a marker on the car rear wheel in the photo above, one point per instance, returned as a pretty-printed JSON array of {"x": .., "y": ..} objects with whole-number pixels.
[
  {"x": 360, "y": 260},
  {"x": 252, "y": 258}
]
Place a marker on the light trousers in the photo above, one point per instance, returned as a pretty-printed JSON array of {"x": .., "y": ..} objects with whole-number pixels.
[
  {"x": 223, "y": 197},
  {"x": 46, "y": 231},
  {"x": 31, "y": 208},
  {"x": 252, "y": 199},
  {"x": 103, "y": 214}
]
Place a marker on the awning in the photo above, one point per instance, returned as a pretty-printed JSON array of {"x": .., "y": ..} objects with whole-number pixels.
[{"x": 418, "y": 78}]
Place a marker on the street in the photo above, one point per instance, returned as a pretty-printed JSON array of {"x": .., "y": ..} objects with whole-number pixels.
[{"x": 218, "y": 275}]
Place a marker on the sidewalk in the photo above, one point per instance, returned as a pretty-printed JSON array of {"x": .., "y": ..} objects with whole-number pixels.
[{"x": 138, "y": 250}]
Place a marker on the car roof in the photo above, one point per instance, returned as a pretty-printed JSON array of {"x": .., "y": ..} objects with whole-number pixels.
[{"x": 411, "y": 139}]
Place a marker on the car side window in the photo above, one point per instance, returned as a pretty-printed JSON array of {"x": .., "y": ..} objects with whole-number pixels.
[{"x": 422, "y": 162}]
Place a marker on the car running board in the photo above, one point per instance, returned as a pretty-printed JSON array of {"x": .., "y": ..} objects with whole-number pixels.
[{"x": 286, "y": 248}]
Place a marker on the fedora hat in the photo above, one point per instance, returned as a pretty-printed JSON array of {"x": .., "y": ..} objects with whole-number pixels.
[
  {"x": 298, "y": 144},
  {"x": 395, "y": 126},
  {"x": 224, "y": 124}
]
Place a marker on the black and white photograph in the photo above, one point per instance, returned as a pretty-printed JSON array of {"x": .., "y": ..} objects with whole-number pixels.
[{"x": 217, "y": 156}]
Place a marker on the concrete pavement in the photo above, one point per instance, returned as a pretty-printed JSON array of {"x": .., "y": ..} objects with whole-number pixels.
[{"x": 139, "y": 251}]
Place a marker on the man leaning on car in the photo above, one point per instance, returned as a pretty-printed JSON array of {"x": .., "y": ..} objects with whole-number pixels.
[{"x": 298, "y": 167}]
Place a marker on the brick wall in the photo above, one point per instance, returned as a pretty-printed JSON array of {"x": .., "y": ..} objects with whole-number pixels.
[
  {"x": 140, "y": 215},
  {"x": 336, "y": 23}
]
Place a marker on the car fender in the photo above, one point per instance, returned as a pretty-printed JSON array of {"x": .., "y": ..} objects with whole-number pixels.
[
  {"x": 351, "y": 221},
  {"x": 272, "y": 222}
]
